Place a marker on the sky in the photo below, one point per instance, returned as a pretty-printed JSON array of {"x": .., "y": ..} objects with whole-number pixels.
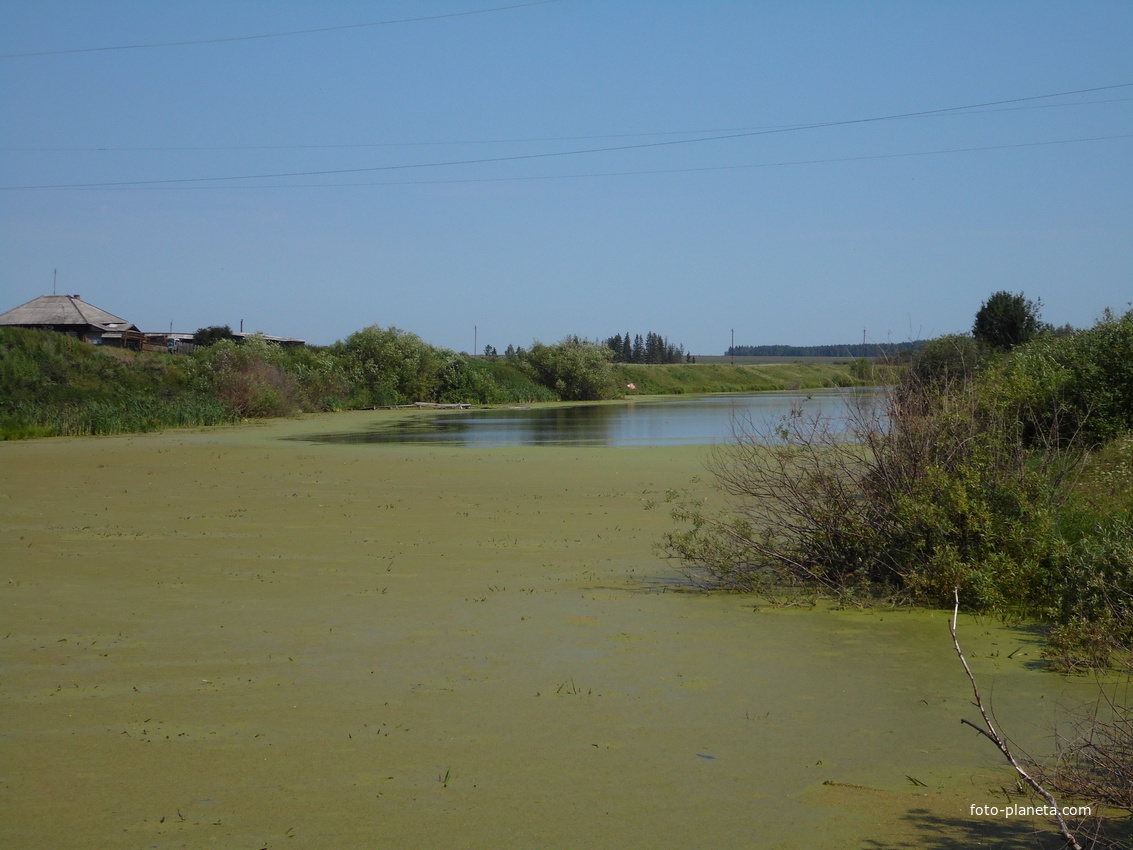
[{"x": 492, "y": 172}]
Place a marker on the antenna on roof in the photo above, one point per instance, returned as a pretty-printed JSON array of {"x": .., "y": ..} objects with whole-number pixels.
[{"x": 54, "y": 280}]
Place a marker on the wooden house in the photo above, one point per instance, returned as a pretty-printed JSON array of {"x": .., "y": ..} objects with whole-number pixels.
[{"x": 71, "y": 315}]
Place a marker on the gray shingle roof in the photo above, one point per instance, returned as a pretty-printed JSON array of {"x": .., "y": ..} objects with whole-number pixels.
[{"x": 56, "y": 310}]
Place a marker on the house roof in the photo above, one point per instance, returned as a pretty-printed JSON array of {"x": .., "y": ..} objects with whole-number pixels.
[{"x": 63, "y": 310}]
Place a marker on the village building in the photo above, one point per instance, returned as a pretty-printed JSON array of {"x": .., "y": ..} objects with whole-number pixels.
[{"x": 71, "y": 315}]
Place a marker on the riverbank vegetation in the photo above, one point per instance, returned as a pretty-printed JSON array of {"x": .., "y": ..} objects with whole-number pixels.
[
  {"x": 1003, "y": 470},
  {"x": 999, "y": 472},
  {"x": 52, "y": 384}
]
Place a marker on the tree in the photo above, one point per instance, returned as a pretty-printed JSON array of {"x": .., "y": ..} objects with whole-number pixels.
[
  {"x": 1006, "y": 320},
  {"x": 638, "y": 355},
  {"x": 213, "y": 333},
  {"x": 615, "y": 345}
]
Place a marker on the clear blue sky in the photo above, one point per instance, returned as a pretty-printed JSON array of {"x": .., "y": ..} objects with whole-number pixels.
[{"x": 572, "y": 167}]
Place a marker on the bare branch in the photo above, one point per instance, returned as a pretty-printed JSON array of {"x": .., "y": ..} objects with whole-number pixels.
[{"x": 989, "y": 731}]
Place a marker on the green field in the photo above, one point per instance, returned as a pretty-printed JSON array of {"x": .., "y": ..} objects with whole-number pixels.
[{"x": 725, "y": 378}]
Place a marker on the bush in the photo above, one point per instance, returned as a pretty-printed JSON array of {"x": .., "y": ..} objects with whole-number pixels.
[
  {"x": 925, "y": 496},
  {"x": 389, "y": 366},
  {"x": 971, "y": 478},
  {"x": 249, "y": 379},
  {"x": 956, "y": 357},
  {"x": 575, "y": 369}
]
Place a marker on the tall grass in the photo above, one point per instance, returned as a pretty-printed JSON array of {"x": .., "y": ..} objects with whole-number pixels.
[{"x": 24, "y": 420}]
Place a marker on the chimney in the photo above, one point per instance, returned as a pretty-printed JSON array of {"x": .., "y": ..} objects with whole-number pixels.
[{"x": 77, "y": 297}]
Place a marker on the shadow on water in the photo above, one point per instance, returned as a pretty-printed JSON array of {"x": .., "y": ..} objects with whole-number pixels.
[{"x": 934, "y": 832}]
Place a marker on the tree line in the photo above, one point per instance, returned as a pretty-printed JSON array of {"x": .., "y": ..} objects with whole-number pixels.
[{"x": 650, "y": 348}]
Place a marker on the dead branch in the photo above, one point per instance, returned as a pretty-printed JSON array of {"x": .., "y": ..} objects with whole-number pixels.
[{"x": 989, "y": 732}]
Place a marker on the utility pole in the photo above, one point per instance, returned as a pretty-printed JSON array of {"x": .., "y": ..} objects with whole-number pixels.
[
  {"x": 732, "y": 350},
  {"x": 475, "y": 340}
]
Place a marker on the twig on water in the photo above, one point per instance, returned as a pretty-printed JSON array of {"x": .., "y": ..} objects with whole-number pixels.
[{"x": 989, "y": 732}]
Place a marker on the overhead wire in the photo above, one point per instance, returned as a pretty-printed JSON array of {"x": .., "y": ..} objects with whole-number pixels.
[
  {"x": 188, "y": 43},
  {"x": 641, "y": 172},
  {"x": 566, "y": 153},
  {"x": 505, "y": 141}
]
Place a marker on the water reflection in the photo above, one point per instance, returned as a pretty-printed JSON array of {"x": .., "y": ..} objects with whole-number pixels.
[{"x": 700, "y": 420}]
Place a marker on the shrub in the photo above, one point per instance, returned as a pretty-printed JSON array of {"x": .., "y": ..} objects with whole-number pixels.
[
  {"x": 575, "y": 369},
  {"x": 955, "y": 357},
  {"x": 967, "y": 478},
  {"x": 926, "y": 496},
  {"x": 389, "y": 366},
  {"x": 249, "y": 379}
]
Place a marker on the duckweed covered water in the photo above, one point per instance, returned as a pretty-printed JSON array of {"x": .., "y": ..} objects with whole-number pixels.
[{"x": 220, "y": 638}]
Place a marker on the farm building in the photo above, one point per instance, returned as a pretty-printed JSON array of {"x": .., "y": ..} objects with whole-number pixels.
[{"x": 71, "y": 315}]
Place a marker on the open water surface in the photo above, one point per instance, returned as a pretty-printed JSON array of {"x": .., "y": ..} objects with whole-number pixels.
[{"x": 696, "y": 420}]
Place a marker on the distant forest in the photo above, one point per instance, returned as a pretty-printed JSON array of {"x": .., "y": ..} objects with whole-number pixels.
[{"x": 871, "y": 349}]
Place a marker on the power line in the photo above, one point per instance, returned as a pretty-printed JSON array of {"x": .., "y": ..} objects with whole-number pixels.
[
  {"x": 644, "y": 172},
  {"x": 524, "y": 140},
  {"x": 275, "y": 34},
  {"x": 556, "y": 154}
]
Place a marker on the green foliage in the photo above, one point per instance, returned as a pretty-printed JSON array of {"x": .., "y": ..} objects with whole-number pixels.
[
  {"x": 576, "y": 369},
  {"x": 1071, "y": 388},
  {"x": 1006, "y": 320},
  {"x": 389, "y": 366},
  {"x": 249, "y": 379},
  {"x": 499, "y": 381},
  {"x": 956, "y": 357},
  {"x": 212, "y": 334},
  {"x": 54, "y": 385},
  {"x": 980, "y": 476}
]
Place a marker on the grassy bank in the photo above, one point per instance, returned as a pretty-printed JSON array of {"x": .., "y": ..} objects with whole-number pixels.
[
  {"x": 54, "y": 385},
  {"x": 726, "y": 378}
]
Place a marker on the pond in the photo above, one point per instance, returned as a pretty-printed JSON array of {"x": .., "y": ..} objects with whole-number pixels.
[
  {"x": 697, "y": 420},
  {"x": 425, "y": 647}
]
